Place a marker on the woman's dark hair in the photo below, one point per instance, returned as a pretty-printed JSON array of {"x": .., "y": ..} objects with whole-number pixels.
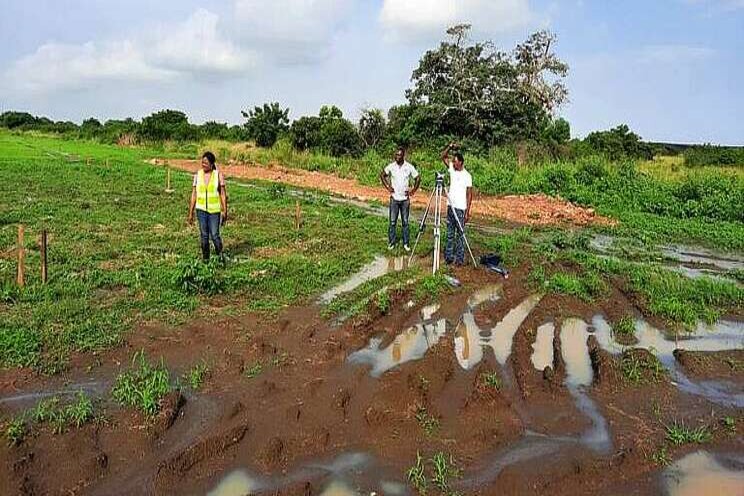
[
  {"x": 210, "y": 158},
  {"x": 459, "y": 157}
]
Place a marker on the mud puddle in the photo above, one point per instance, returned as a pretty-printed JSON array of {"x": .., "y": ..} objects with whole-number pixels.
[
  {"x": 702, "y": 474},
  {"x": 347, "y": 475},
  {"x": 691, "y": 261},
  {"x": 376, "y": 268},
  {"x": 542, "y": 348},
  {"x": 722, "y": 336}
]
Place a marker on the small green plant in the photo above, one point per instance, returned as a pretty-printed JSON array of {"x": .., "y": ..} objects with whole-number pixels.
[
  {"x": 195, "y": 376},
  {"x": 429, "y": 423},
  {"x": 491, "y": 379},
  {"x": 416, "y": 474},
  {"x": 640, "y": 368},
  {"x": 444, "y": 468},
  {"x": 254, "y": 370},
  {"x": 729, "y": 423},
  {"x": 382, "y": 301},
  {"x": 80, "y": 412},
  {"x": 678, "y": 433},
  {"x": 624, "y": 327},
  {"x": 195, "y": 277},
  {"x": 661, "y": 457},
  {"x": 144, "y": 386},
  {"x": 431, "y": 286},
  {"x": 735, "y": 365},
  {"x": 62, "y": 417},
  {"x": 16, "y": 431}
]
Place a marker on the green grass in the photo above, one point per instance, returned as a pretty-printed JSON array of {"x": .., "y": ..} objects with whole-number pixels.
[
  {"x": 641, "y": 368},
  {"x": 586, "y": 285},
  {"x": 428, "y": 423},
  {"x": 661, "y": 457},
  {"x": 143, "y": 386},
  {"x": 196, "y": 376},
  {"x": 678, "y": 434},
  {"x": 253, "y": 370},
  {"x": 624, "y": 327},
  {"x": 439, "y": 471},
  {"x": 416, "y": 475},
  {"x": 16, "y": 431},
  {"x": 120, "y": 253}
]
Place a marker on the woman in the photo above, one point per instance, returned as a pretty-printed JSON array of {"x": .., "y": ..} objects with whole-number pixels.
[{"x": 209, "y": 198}]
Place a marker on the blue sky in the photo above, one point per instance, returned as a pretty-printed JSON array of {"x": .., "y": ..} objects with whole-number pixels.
[{"x": 671, "y": 69}]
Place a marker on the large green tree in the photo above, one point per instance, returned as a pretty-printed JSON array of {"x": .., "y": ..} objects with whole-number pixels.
[
  {"x": 264, "y": 124},
  {"x": 473, "y": 90}
]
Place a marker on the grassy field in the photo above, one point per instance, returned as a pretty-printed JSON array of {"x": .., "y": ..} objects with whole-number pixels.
[
  {"x": 657, "y": 202},
  {"x": 120, "y": 251},
  {"x": 121, "y": 254}
]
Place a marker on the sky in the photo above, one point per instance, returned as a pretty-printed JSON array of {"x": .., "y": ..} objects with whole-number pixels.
[{"x": 673, "y": 70}]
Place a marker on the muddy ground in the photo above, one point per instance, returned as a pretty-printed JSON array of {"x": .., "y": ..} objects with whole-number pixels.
[{"x": 313, "y": 418}]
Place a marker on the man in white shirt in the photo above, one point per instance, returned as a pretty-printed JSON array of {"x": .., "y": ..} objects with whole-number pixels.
[
  {"x": 460, "y": 199},
  {"x": 396, "y": 178}
]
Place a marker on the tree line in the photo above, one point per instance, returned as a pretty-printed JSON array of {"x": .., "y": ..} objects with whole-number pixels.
[{"x": 463, "y": 90}]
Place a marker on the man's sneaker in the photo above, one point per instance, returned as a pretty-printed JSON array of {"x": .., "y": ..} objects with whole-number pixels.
[
  {"x": 391, "y": 247},
  {"x": 407, "y": 248}
]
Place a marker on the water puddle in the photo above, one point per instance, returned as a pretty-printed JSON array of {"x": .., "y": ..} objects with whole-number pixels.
[
  {"x": 345, "y": 475},
  {"x": 500, "y": 337},
  {"x": 574, "y": 333},
  {"x": 724, "y": 335},
  {"x": 376, "y": 268},
  {"x": 701, "y": 474},
  {"x": 597, "y": 437},
  {"x": 91, "y": 388},
  {"x": 236, "y": 483},
  {"x": 697, "y": 255},
  {"x": 542, "y": 348},
  {"x": 411, "y": 344}
]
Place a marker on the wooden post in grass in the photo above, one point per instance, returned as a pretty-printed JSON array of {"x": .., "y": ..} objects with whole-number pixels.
[
  {"x": 21, "y": 256},
  {"x": 298, "y": 215},
  {"x": 43, "y": 256},
  {"x": 168, "y": 179}
]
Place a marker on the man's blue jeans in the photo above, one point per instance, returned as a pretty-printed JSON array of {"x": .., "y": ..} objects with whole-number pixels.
[
  {"x": 209, "y": 227},
  {"x": 454, "y": 251},
  {"x": 396, "y": 207}
]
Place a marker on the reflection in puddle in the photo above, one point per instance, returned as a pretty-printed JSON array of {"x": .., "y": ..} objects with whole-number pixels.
[
  {"x": 724, "y": 335},
  {"x": 485, "y": 294},
  {"x": 574, "y": 333},
  {"x": 428, "y": 311},
  {"x": 91, "y": 388},
  {"x": 687, "y": 254},
  {"x": 542, "y": 348},
  {"x": 700, "y": 474},
  {"x": 236, "y": 483},
  {"x": 597, "y": 437},
  {"x": 411, "y": 344},
  {"x": 501, "y": 336},
  {"x": 346, "y": 475},
  {"x": 376, "y": 268}
]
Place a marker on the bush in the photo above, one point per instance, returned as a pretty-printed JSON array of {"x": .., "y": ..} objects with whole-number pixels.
[
  {"x": 167, "y": 125},
  {"x": 196, "y": 276},
  {"x": 329, "y": 132},
  {"x": 618, "y": 143},
  {"x": 713, "y": 155},
  {"x": 372, "y": 127}
]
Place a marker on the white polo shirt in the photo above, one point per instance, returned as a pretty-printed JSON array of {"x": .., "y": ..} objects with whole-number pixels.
[
  {"x": 399, "y": 175},
  {"x": 460, "y": 181}
]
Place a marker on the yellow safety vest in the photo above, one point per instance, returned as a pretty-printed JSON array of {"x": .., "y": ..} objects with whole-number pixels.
[{"x": 207, "y": 195}]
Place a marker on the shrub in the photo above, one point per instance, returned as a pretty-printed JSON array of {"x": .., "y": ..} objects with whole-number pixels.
[{"x": 196, "y": 276}]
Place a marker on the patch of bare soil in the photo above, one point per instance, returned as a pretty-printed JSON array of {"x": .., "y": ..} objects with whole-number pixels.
[
  {"x": 538, "y": 209},
  {"x": 309, "y": 406}
]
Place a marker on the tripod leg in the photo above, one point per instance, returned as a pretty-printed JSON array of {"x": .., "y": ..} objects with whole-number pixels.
[
  {"x": 462, "y": 231},
  {"x": 437, "y": 229},
  {"x": 422, "y": 225}
]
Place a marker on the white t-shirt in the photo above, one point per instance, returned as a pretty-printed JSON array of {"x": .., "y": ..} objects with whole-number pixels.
[
  {"x": 460, "y": 181},
  {"x": 399, "y": 175}
]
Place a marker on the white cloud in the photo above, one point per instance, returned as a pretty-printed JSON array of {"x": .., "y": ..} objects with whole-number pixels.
[
  {"x": 193, "y": 47},
  {"x": 674, "y": 54},
  {"x": 290, "y": 30},
  {"x": 196, "y": 46},
  {"x": 412, "y": 19}
]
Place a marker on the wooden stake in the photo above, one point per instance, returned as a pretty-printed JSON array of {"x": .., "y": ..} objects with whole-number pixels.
[
  {"x": 168, "y": 182},
  {"x": 21, "y": 256},
  {"x": 44, "y": 256},
  {"x": 298, "y": 215}
]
